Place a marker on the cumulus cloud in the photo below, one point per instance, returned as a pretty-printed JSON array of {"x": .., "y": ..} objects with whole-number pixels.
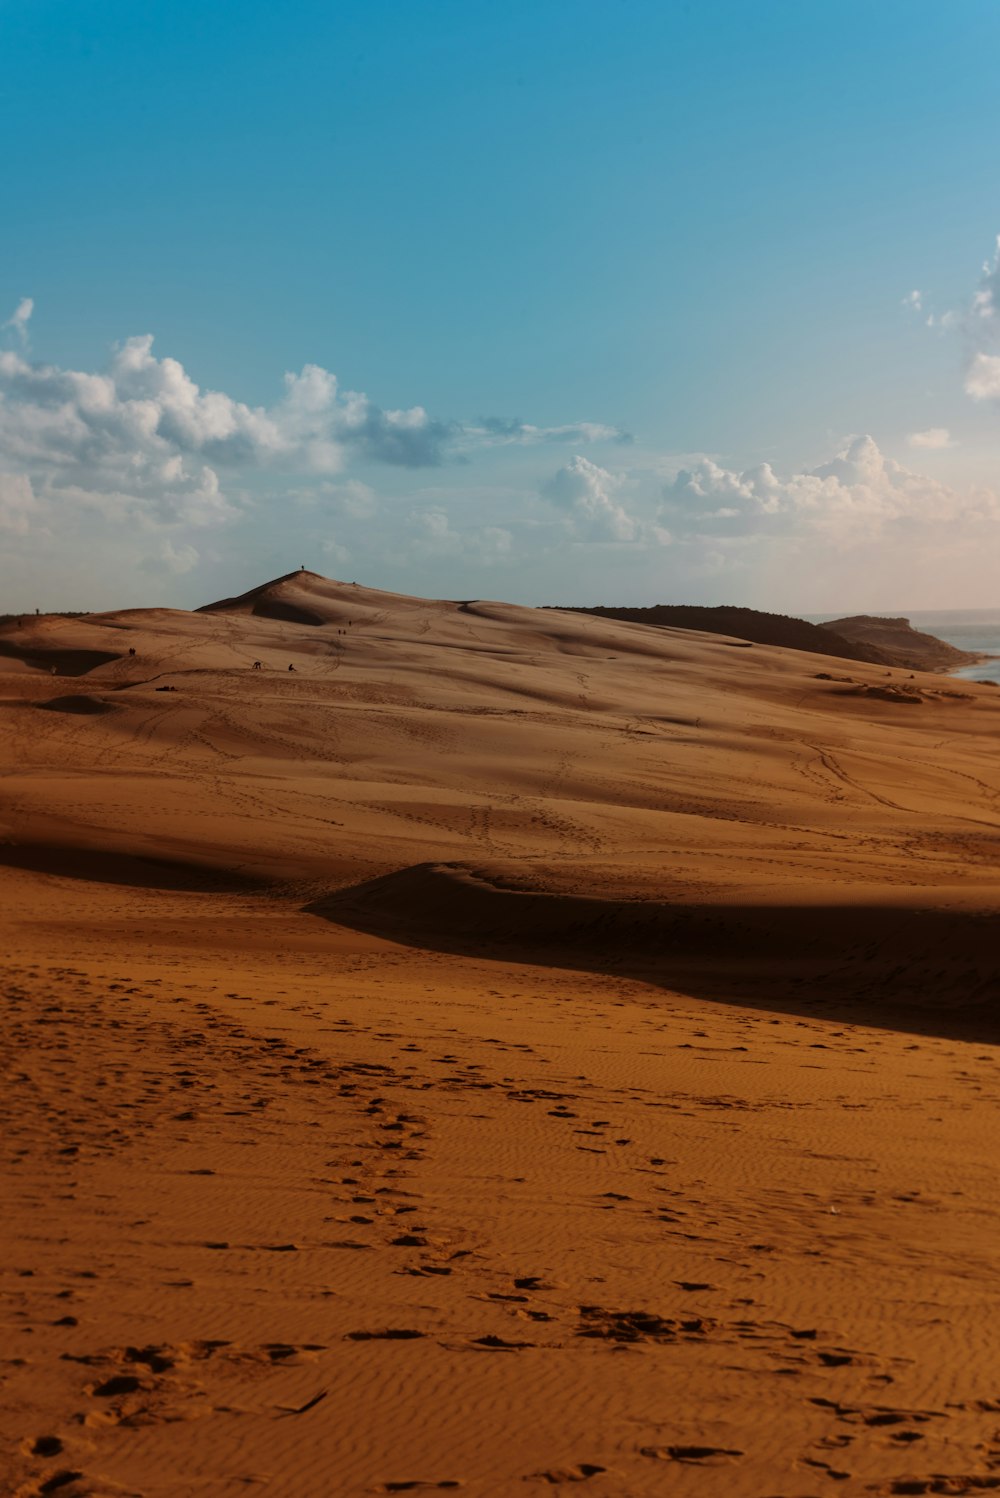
[
  {"x": 144, "y": 426},
  {"x": 409, "y": 439},
  {"x": 586, "y": 493},
  {"x": 982, "y": 377},
  {"x": 933, "y": 437},
  {"x": 855, "y": 498},
  {"x": 142, "y": 437},
  {"x": 914, "y": 300},
  {"x": 149, "y": 403}
]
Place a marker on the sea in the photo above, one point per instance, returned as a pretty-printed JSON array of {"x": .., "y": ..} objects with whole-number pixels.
[{"x": 969, "y": 629}]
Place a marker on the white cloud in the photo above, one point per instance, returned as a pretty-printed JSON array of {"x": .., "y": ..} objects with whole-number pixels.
[
  {"x": 858, "y": 496},
  {"x": 19, "y": 319},
  {"x": 142, "y": 437},
  {"x": 145, "y": 427},
  {"x": 982, "y": 378},
  {"x": 986, "y": 301},
  {"x": 586, "y": 493},
  {"x": 933, "y": 437},
  {"x": 914, "y": 300}
]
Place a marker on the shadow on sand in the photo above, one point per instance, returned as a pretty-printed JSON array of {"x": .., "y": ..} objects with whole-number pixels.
[
  {"x": 918, "y": 970},
  {"x": 62, "y": 662},
  {"x": 99, "y": 866}
]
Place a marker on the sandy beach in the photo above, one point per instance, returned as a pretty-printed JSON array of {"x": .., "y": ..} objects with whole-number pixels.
[{"x": 508, "y": 1050}]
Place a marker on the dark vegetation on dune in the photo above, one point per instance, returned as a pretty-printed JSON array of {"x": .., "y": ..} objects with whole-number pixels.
[
  {"x": 47, "y": 614},
  {"x": 897, "y": 639},
  {"x": 862, "y": 637},
  {"x": 758, "y": 627}
]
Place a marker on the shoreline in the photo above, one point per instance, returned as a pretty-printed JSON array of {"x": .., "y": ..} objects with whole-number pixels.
[{"x": 980, "y": 658}]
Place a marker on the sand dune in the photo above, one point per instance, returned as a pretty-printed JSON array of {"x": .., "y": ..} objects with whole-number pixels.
[
  {"x": 512, "y": 1049},
  {"x": 866, "y": 957}
]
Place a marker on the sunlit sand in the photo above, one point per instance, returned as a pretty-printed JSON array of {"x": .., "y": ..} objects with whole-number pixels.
[{"x": 492, "y": 1049}]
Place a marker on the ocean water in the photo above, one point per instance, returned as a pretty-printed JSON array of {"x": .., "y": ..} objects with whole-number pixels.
[{"x": 968, "y": 629}]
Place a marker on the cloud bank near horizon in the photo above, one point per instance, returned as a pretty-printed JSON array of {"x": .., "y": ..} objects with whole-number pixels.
[
  {"x": 142, "y": 430},
  {"x": 857, "y": 497},
  {"x": 170, "y": 477}
]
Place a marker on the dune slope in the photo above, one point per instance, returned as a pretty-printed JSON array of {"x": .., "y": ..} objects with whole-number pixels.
[{"x": 508, "y": 1049}]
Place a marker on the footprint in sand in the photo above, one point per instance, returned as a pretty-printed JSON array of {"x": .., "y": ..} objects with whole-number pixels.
[
  {"x": 556, "y": 1476},
  {"x": 637, "y": 1326},
  {"x": 388, "y": 1334},
  {"x": 414, "y": 1485},
  {"x": 46, "y": 1446},
  {"x": 491, "y": 1343},
  {"x": 703, "y": 1455},
  {"x": 59, "y": 1482}
]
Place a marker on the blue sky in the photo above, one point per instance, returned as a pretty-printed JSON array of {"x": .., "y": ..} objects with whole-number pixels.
[{"x": 525, "y": 232}]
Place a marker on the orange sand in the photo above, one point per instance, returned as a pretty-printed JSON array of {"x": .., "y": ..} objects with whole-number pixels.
[{"x": 512, "y": 1050}]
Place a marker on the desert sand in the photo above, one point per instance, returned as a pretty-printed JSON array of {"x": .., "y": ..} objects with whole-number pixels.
[{"x": 511, "y": 1050}]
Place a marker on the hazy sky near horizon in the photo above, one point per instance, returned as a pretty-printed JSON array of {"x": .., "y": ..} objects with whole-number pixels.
[{"x": 567, "y": 301}]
